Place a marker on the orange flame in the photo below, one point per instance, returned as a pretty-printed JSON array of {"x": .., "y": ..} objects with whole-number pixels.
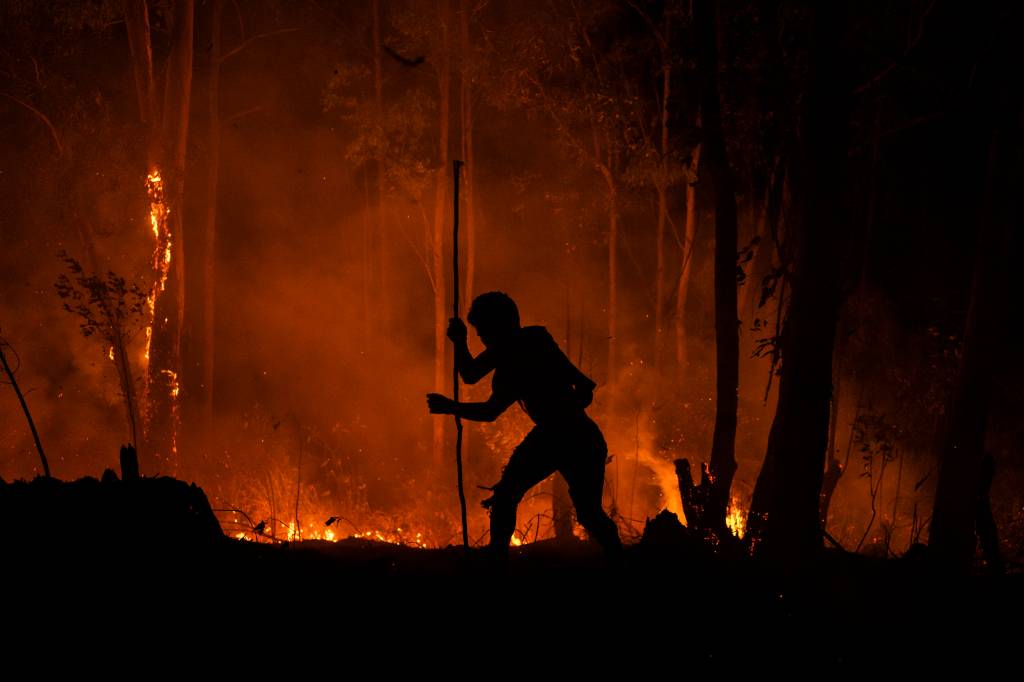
[{"x": 736, "y": 518}]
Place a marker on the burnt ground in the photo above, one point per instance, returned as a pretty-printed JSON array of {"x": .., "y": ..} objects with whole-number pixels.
[{"x": 151, "y": 553}]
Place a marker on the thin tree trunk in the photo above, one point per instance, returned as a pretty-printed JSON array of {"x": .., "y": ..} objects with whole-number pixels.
[
  {"x": 139, "y": 45},
  {"x": 437, "y": 242},
  {"x": 662, "y": 189},
  {"x": 469, "y": 171},
  {"x": 383, "y": 237},
  {"x": 24, "y": 408},
  {"x": 210, "y": 250},
  {"x": 722, "y": 465},
  {"x": 613, "y": 282},
  {"x": 689, "y": 241},
  {"x": 762, "y": 260},
  {"x": 833, "y": 470}
]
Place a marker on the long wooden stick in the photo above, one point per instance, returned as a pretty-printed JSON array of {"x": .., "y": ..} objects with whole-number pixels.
[
  {"x": 24, "y": 406},
  {"x": 455, "y": 363}
]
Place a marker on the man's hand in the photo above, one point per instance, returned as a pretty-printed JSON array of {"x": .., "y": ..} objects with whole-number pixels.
[
  {"x": 457, "y": 330},
  {"x": 439, "y": 404}
]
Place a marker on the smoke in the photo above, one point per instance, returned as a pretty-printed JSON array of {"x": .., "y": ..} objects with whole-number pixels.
[{"x": 322, "y": 360}]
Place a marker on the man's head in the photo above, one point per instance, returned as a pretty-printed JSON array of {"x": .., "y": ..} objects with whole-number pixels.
[{"x": 495, "y": 316}]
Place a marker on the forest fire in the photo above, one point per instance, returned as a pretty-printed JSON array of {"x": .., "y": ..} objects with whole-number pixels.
[
  {"x": 161, "y": 250},
  {"x": 404, "y": 287},
  {"x": 736, "y": 518}
]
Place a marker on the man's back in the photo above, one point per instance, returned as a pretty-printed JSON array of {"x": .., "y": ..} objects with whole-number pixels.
[{"x": 532, "y": 369}]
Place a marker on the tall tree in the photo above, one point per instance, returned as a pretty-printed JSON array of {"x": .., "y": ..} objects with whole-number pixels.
[
  {"x": 467, "y": 77},
  {"x": 784, "y": 520},
  {"x": 961, "y": 491},
  {"x": 686, "y": 257},
  {"x": 210, "y": 224},
  {"x": 167, "y": 127},
  {"x": 383, "y": 241},
  {"x": 443, "y": 69},
  {"x": 722, "y": 465}
]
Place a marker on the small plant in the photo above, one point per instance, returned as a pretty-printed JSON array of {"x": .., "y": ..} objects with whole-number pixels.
[{"x": 112, "y": 310}]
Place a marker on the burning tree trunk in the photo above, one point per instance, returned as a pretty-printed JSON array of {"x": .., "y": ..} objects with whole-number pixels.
[
  {"x": 437, "y": 241},
  {"x": 168, "y": 134},
  {"x": 784, "y": 517},
  {"x": 722, "y": 465}
]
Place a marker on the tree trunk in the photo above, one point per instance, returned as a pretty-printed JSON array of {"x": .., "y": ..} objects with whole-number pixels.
[
  {"x": 169, "y": 310},
  {"x": 761, "y": 263},
  {"x": 383, "y": 237},
  {"x": 140, "y": 47},
  {"x": 24, "y": 407},
  {"x": 960, "y": 488},
  {"x": 833, "y": 469},
  {"x": 689, "y": 241},
  {"x": 662, "y": 189},
  {"x": 437, "y": 243},
  {"x": 784, "y": 520},
  {"x": 467, "y": 189},
  {"x": 722, "y": 465},
  {"x": 210, "y": 250},
  {"x": 613, "y": 282}
]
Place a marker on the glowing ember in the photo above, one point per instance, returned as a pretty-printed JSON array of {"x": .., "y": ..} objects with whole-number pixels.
[
  {"x": 110, "y": 354},
  {"x": 294, "y": 532},
  {"x": 172, "y": 380}
]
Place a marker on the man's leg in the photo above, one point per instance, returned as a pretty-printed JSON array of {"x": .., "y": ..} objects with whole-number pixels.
[
  {"x": 584, "y": 472},
  {"x": 531, "y": 463}
]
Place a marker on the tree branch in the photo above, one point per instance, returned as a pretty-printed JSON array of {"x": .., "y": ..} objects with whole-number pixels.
[
  {"x": 249, "y": 41},
  {"x": 43, "y": 117},
  {"x": 891, "y": 66}
]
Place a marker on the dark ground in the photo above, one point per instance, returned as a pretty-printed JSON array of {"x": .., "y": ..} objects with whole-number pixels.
[{"x": 149, "y": 554}]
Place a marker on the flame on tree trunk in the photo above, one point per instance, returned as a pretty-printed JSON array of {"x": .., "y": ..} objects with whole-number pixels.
[{"x": 165, "y": 159}]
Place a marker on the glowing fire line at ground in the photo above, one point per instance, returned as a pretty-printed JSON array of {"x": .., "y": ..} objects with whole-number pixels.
[{"x": 292, "y": 533}]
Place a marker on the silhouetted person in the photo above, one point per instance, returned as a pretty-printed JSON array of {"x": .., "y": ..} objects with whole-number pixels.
[{"x": 530, "y": 368}]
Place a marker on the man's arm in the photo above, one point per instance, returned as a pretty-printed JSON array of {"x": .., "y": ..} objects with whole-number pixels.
[
  {"x": 478, "y": 412},
  {"x": 471, "y": 369}
]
